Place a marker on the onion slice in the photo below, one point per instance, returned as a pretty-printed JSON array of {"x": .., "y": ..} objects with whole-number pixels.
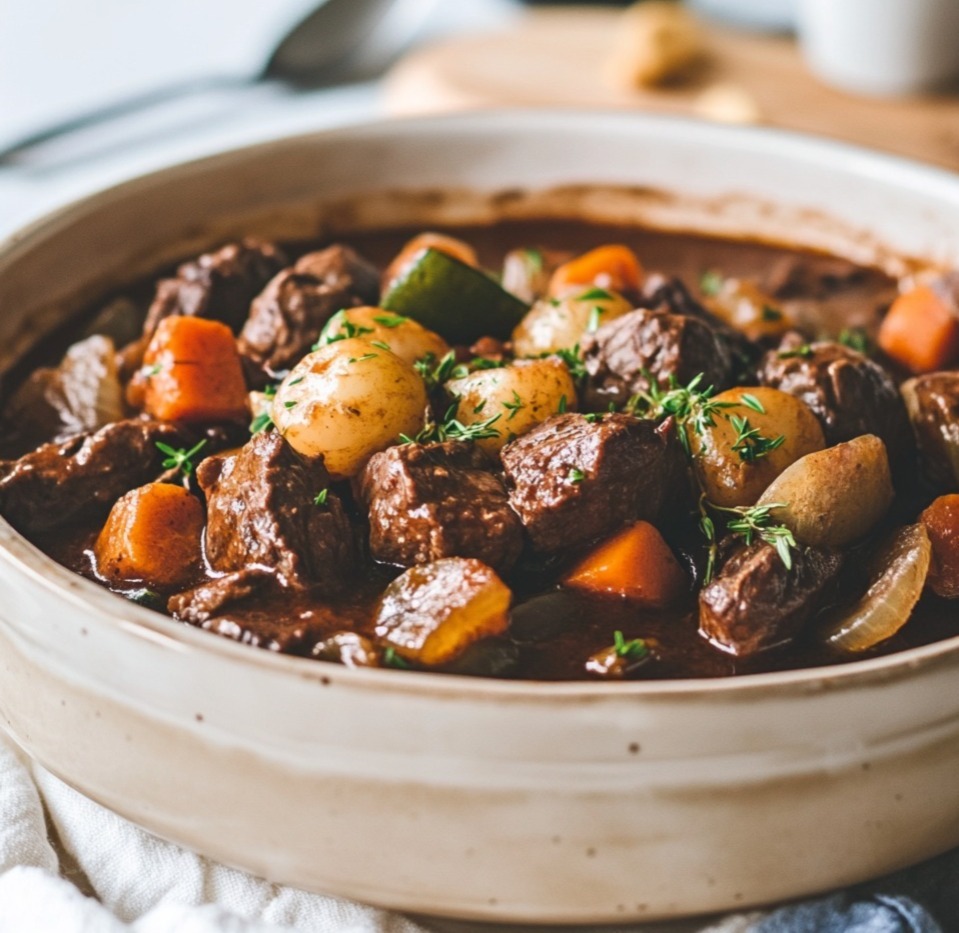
[{"x": 895, "y": 586}]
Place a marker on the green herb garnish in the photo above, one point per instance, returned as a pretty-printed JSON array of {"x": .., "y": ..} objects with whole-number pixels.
[
  {"x": 711, "y": 282},
  {"x": 390, "y": 320},
  {"x": 594, "y": 294},
  {"x": 321, "y": 496},
  {"x": 573, "y": 359},
  {"x": 856, "y": 339},
  {"x": 689, "y": 405},
  {"x": 178, "y": 458},
  {"x": 261, "y": 422},
  {"x": 635, "y": 649},
  {"x": 340, "y": 327},
  {"x": 750, "y": 443},
  {"x": 595, "y": 314},
  {"x": 576, "y": 476},
  {"x": 392, "y": 659},
  {"x": 437, "y": 372},
  {"x": 804, "y": 351},
  {"x": 515, "y": 406}
]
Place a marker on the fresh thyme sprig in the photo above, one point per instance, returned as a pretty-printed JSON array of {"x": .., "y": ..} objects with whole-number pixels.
[
  {"x": 750, "y": 444},
  {"x": 634, "y": 649},
  {"x": 803, "y": 351},
  {"x": 711, "y": 282},
  {"x": 856, "y": 339},
  {"x": 514, "y": 406},
  {"x": 392, "y": 659},
  {"x": 450, "y": 428},
  {"x": 261, "y": 422},
  {"x": 340, "y": 327},
  {"x": 437, "y": 372},
  {"x": 748, "y": 522},
  {"x": 179, "y": 459},
  {"x": 574, "y": 361},
  {"x": 689, "y": 405}
]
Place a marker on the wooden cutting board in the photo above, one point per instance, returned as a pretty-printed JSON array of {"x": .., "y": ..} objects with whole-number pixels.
[{"x": 555, "y": 57}]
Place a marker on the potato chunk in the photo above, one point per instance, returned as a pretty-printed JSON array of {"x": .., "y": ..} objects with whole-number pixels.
[
  {"x": 432, "y": 613},
  {"x": 835, "y": 496},
  {"x": 519, "y": 396},
  {"x": 152, "y": 536},
  {"x": 347, "y": 401},
  {"x": 408, "y": 339},
  {"x": 560, "y": 323},
  {"x": 734, "y": 466}
]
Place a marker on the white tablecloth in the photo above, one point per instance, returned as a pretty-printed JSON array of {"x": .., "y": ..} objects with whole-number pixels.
[{"x": 104, "y": 875}]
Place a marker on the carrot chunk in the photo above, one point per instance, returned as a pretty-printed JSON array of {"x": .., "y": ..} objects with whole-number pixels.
[
  {"x": 613, "y": 266},
  {"x": 921, "y": 330},
  {"x": 152, "y": 535},
  {"x": 193, "y": 372},
  {"x": 635, "y": 563},
  {"x": 942, "y": 524}
]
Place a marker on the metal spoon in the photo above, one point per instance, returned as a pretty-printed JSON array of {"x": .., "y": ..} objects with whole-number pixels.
[{"x": 315, "y": 52}]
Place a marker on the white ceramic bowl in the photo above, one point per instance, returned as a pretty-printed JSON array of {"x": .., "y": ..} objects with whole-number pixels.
[{"x": 475, "y": 798}]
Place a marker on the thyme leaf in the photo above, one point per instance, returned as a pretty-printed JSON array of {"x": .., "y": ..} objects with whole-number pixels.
[{"x": 179, "y": 459}]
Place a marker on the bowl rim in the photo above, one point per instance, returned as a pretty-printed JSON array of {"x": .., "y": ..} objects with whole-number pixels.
[{"x": 142, "y": 623}]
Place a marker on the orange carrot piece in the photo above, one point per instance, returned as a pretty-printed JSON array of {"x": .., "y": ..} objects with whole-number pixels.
[
  {"x": 942, "y": 524},
  {"x": 450, "y": 245},
  {"x": 193, "y": 372},
  {"x": 613, "y": 266},
  {"x": 152, "y": 535},
  {"x": 921, "y": 330},
  {"x": 635, "y": 563}
]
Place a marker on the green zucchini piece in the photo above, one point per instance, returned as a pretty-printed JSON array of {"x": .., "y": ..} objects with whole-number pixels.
[{"x": 459, "y": 302}]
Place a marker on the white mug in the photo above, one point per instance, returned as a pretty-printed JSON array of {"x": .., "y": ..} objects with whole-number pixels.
[{"x": 881, "y": 47}]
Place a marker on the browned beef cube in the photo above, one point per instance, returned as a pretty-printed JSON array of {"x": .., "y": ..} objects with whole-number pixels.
[
  {"x": 624, "y": 354},
  {"x": 286, "y": 319},
  {"x": 208, "y": 600},
  {"x": 219, "y": 285},
  {"x": 756, "y": 602},
  {"x": 82, "y": 477},
  {"x": 438, "y": 500},
  {"x": 572, "y": 478},
  {"x": 933, "y": 403},
  {"x": 261, "y": 512},
  {"x": 849, "y": 393}
]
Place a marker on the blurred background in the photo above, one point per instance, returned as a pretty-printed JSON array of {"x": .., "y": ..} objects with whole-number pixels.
[{"x": 94, "y": 91}]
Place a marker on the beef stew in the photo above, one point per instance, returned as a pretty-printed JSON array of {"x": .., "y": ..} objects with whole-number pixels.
[{"x": 569, "y": 469}]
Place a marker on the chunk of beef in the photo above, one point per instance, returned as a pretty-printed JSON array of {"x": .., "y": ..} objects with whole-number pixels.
[
  {"x": 82, "y": 477},
  {"x": 932, "y": 401},
  {"x": 250, "y": 606},
  {"x": 818, "y": 277},
  {"x": 261, "y": 512},
  {"x": 219, "y": 285},
  {"x": 286, "y": 319},
  {"x": 81, "y": 394},
  {"x": 571, "y": 479},
  {"x": 849, "y": 393},
  {"x": 755, "y": 602},
  {"x": 438, "y": 500},
  {"x": 622, "y": 355},
  {"x": 208, "y": 600},
  {"x": 671, "y": 295}
]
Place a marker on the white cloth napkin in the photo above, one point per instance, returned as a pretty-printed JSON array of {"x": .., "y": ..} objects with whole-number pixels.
[{"x": 111, "y": 877}]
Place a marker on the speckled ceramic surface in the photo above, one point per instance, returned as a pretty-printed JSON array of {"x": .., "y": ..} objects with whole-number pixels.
[{"x": 496, "y": 800}]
